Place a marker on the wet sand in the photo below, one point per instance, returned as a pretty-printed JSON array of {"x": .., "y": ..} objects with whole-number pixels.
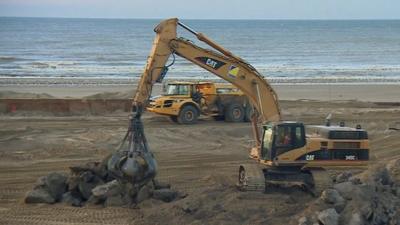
[{"x": 323, "y": 92}]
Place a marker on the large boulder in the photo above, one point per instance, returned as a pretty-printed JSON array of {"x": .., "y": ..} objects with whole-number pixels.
[
  {"x": 39, "y": 195},
  {"x": 328, "y": 217},
  {"x": 48, "y": 189},
  {"x": 85, "y": 188},
  {"x": 109, "y": 189},
  {"x": 165, "y": 195},
  {"x": 303, "y": 221},
  {"x": 332, "y": 196},
  {"x": 346, "y": 189},
  {"x": 356, "y": 219},
  {"x": 71, "y": 199},
  {"x": 56, "y": 184},
  {"x": 343, "y": 177},
  {"x": 116, "y": 200},
  {"x": 144, "y": 193}
]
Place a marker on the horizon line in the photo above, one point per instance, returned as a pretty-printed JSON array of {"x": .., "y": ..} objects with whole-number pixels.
[{"x": 233, "y": 19}]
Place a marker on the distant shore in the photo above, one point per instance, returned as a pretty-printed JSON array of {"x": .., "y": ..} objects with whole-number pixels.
[
  {"x": 111, "y": 81},
  {"x": 82, "y": 87}
]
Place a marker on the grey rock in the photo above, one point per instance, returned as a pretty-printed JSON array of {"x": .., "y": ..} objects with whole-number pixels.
[
  {"x": 343, "y": 177},
  {"x": 131, "y": 190},
  {"x": 116, "y": 200},
  {"x": 303, "y": 221},
  {"x": 39, "y": 196},
  {"x": 93, "y": 200},
  {"x": 96, "y": 168},
  {"x": 355, "y": 180},
  {"x": 332, "y": 196},
  {"x": 40, "y": 183},
  {"x": 106, "y": 190},
  {"x": 86, "y": 176},
  {"x": 86, "y": 188},
  {"x": 165, "y": 195},
  {"x": 70, "y": 199},
  {"x": 340, "y": 206},
  {"x": 328, "y": 217},
  {"x": 144, "y": 193},
  {"x": 345, "y": 189},
  {"x": 356, "y": 219},
  {"x": 73, "y": 182},
  {"x": 56, "y": 184}
]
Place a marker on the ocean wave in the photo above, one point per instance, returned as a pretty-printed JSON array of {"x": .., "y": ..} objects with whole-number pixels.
[
  {"x": 51, "y": 64},
  {"x": 65, "y": 68},
  {"x": 8, "y": 59}
]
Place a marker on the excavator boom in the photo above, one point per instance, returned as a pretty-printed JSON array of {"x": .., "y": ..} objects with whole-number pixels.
[{"x": 127, "y": 163}]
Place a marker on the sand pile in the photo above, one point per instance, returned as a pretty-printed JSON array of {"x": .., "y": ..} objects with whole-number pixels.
[
  {"x": 111, "y": 95},
  {"x": 94, "y": 184},
  {"x": 23, "y": 95},
  {"x": 372, "y": 197}
]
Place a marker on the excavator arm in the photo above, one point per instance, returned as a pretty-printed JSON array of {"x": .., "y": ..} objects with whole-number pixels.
[
  {"x": 156, "y": 63},
  {"x": 135, "y": 162},
  {"x": 222, "y": 63}
]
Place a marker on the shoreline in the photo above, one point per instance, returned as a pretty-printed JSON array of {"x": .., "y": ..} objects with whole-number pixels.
[
  {"x": 319, "y": 92},
  {"x": 122, "y": 81}
]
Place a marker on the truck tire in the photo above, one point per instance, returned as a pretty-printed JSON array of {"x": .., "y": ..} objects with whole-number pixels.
[
  {"x": 234, "y": 113},
  {"x": 188, "y": 115},
  {"x": 248, "y": 113}
]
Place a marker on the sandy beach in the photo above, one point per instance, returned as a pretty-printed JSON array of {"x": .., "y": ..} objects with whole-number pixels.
[
  {"x": 78, "y": 88},
  {"x": 33, "y": 146}
]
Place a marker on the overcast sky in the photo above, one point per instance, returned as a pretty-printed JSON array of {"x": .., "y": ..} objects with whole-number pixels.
[{"x": 205, "y": 9}]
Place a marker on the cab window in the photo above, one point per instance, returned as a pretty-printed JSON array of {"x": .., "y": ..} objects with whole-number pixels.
[
  {"x": 178, "y": 90},
  {"x": 266, "y": 144},
  {"x": 288, "y": 137}
]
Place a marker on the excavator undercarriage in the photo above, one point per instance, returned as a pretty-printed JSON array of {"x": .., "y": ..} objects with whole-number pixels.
[{"x": 257, "y": 177}]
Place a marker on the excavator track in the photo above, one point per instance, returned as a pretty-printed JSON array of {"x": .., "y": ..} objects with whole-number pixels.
[
  {"x": 251, "y": 178},
  {"x": 321, "y": 181}
]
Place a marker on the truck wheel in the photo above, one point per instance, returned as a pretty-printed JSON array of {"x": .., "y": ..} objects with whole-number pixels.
[
  {"x": 188, "y": 115},
  {"x": 234, "y": 113},
  {"x": 249, "y": 112},
  {"x": 174, "y": 119}
]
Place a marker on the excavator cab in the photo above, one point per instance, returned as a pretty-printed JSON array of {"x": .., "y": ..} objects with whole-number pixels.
[{"x": 282, "y": 137}]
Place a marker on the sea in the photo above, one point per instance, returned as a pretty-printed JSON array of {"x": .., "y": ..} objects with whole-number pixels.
[{"x": 341, "y": 50}]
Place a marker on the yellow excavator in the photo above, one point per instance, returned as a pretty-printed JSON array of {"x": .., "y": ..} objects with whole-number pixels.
[{"x": 283, "y": 153}]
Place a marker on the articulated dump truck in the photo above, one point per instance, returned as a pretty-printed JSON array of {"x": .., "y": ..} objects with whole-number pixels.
[{"x": 184, "y": 102}]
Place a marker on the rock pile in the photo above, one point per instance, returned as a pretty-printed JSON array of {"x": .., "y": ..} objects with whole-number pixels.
[
  {"x": 93, "y": 184},
  {"x": 372, "y": 197}
]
